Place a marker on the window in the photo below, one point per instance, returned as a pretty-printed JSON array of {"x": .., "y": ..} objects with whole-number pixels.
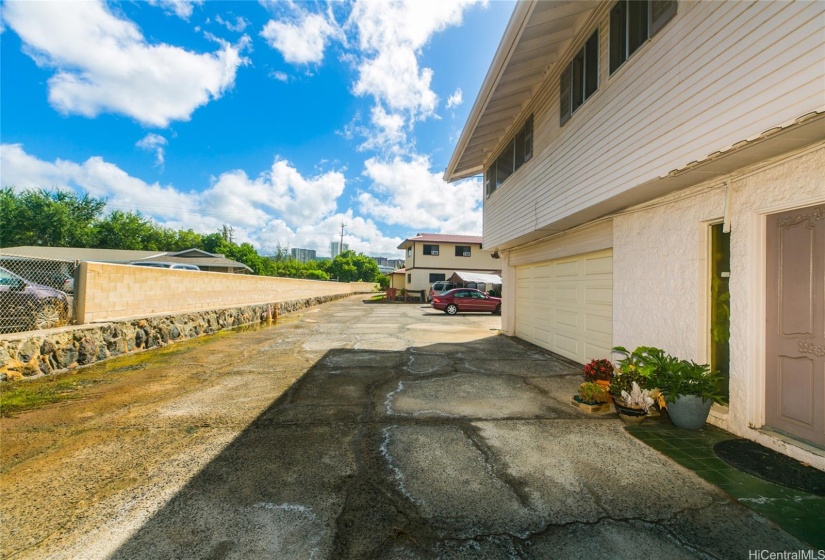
[
  {"x": 632, "y": 22},
  {"x": 462, "y": 251},
  {"x": 409, "y": 251},
  {"x": 409, "y": 277},
  {"x": 437, "y": 278},
  {"x": 431, "y": 250},
  {"x": 518, "y": 151},
  {"x": 580, "y": 79}
]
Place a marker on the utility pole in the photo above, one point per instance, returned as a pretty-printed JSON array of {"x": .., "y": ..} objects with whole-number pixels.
[{"x": 341, "y": 246}]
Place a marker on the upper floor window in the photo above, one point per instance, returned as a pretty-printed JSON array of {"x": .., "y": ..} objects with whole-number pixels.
[
  {"x": 632, "y": 22},
  {"x": 518, "y": 151},
  {"x": 409, "y": 251},
  {"x": 431, "y": 250},
  {"x": 580, "y": 79},
  {"x": 462, "y": 251}
]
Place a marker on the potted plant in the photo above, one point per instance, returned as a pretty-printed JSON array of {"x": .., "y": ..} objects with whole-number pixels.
[
  {"x": 690, "y": 389},
  {"x": 592, "y": 398},
  {"x": 633, "y": 406},
  {"x": 599, "y": 372},
  {"x": 636, "y": 376}
]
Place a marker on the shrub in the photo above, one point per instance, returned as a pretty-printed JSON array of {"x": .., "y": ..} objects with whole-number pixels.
[{"x": 601, "y": 370}]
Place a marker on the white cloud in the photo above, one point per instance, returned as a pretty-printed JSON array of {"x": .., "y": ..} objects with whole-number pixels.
[
  {"x": 104, "y": 64},
  {"x": 455, "y": 99},
  {"x": 407, "y": 193},
  {"x": 281, "y": 190},
  {"x": 391, "y": 36},
  {"x": 279, "y": 206},
  {"x": 95, "y": 176},
  {"x": 303, "y": 40},
  {"x": 181, "y": 8},
  {"x": 154, "y": 142},
  {"x": 280, "y": 76},
  {"x": 239, "y": 25},
  {"x": 362, "y": 236},
  {"x": 385, "y": 131}
]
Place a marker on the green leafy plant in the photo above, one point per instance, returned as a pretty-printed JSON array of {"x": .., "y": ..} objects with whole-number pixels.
[
  {"x": 644, "y": 366},
  {"x": 689, "y": 378},
  {"x": 592, "y": 393}
]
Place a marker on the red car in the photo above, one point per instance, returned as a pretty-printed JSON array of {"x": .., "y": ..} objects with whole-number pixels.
[{"x": 466, "y": 299}]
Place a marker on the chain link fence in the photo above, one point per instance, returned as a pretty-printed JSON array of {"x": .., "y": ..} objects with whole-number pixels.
[{"x": 35, "y": 293}]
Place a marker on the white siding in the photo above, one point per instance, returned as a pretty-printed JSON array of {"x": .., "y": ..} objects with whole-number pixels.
[{"x": 717, "y": 74}]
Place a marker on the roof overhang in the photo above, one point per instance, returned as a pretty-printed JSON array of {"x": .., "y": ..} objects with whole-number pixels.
[
  {"x": 779, "y": 142},
  {"x": 536, "y": 36}
]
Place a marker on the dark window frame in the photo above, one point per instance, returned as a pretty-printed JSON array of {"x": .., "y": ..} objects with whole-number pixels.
[
  {"x": 517, "y": 152},
  {"x": 580, "y": 79},
  {"x": 461, "y": 249},
  {"x": 428, "y": 250},
  {"x": 631, "y": 23},
  {"x": 434, "y": 280}
]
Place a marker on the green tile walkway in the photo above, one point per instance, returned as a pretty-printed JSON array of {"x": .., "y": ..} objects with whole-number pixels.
[{"x": 799, "y": 513}]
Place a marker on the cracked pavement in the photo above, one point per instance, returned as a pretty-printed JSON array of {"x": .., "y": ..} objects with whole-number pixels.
[{"x": 355, "y": 431}]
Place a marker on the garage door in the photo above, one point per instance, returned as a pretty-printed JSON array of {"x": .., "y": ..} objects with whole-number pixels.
[{"x": 566, "y": 305}]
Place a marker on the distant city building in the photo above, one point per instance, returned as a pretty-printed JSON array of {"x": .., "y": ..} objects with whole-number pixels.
[
  {"x": 381, "y": 261},
  {"x": 395, "y": 263},
  {"x": 334, "y": 247},
  {"x": 303, "y": 255}
]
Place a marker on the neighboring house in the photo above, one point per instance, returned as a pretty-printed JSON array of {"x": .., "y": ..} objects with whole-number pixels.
[
  {"x": 209, "y": 262},
  {"x": 651, "y": 168},
  {"x": 432, "y": 257}
]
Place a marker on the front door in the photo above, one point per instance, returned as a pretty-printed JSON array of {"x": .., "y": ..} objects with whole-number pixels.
[{"x": 795, "y": 321}]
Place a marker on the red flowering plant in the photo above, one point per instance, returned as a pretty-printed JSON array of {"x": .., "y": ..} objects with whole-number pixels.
[{"x": 598, "y": 370}]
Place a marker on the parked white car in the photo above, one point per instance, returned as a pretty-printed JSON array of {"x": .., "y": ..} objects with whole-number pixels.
[{"x": 164, "y": 264}]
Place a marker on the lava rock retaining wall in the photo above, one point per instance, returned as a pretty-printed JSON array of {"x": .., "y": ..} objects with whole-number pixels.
[{"x": 36, "y": 353}]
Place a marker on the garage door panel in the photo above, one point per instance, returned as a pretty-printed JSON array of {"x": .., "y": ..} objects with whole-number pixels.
[
  {"x": 567, "y": 269},
  {"x": 567, "y": 346},
  {"x": 542, "y": 271},
  {"x": 566, "y": 319},
  {"x": 566, "y": 294},
  {"x": 599, "y": 266},
  {"x": 595, "y": 349},
  {"x": 566, "y": 305},
  {"x": 595, "y": 325},
  {"x": 597, "y": 295}
]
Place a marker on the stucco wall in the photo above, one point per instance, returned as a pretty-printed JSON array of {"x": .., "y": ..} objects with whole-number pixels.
[
  {"x": 107, "y": 292},
  {"x": 659, "y": 271}
]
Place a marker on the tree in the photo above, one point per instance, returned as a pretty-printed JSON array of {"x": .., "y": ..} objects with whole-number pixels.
[
  {"x": 55, "y": 218},
  {"x": 128, "y": 230},
  {"x": 349, "y": 267}
]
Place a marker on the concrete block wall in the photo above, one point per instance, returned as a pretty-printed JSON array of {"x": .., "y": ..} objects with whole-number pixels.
[{"x": 107, "y": 292}]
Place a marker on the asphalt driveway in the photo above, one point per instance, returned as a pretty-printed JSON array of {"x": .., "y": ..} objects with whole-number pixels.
[{"x": 356, "y": 431}]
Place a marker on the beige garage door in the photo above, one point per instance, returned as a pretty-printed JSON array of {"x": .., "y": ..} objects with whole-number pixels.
[{"x": 566, "y": 305}]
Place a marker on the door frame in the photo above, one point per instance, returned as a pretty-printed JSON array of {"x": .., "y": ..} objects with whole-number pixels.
[{"x": 757, "y": 246}]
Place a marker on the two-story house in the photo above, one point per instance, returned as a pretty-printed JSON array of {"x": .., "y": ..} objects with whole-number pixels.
[
  {"x": 655, "y": 175},
  {"x": 431, "y": 257}
]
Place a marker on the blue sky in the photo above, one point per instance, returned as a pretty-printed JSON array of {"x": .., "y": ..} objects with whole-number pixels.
[{"x": 282, "y": 119}]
